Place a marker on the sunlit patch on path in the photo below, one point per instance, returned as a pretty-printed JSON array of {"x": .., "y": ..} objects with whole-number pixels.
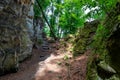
[{"x": 49, "y": 63}]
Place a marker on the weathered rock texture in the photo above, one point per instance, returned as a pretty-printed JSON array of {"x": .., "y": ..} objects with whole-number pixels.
[
  {"x": 16, "y": 32},
  {"x": 38, "y": 30},
  {"x": 104, "y": 64},
  {"x": 85, "y": 37}
]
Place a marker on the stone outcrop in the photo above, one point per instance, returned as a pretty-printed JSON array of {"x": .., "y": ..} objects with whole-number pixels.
[
  {"x": 106, "y": 66},
  {"x": 16, "y": 33},
  {"x": 85, "y": 37}
]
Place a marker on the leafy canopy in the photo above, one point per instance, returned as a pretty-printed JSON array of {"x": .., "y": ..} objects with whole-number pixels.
[{"x": 66, "y": 16}]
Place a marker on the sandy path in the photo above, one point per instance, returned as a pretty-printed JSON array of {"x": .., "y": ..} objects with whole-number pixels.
[{"x": 50, "y": 65}]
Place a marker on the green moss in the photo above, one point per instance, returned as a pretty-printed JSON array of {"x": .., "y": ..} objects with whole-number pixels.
[
  {"x": 79, "y": 47},
  {"x": 119, "y": 17},
  {"x": 84, "y": 38},
  {"x": 92, "y": 69},
  {"x": 106, "y": 45}
]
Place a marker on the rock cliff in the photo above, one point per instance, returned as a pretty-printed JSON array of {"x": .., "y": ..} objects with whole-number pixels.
[
  {"x": 85, "y": 37},
  {"x": 106, "y": 45},
  {"x": 16, "y": 33}
]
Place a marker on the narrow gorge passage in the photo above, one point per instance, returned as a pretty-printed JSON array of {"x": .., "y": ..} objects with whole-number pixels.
[
  {"x": 59, "y": 39},
  {"x": 47, "y": 63}
]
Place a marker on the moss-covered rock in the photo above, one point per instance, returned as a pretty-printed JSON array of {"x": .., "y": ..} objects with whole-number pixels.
[
  {"x": 107, "y": 45},
  {"x": 84, "y": 37}
]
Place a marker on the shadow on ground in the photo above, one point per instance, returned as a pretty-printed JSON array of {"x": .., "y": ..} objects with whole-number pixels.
[{"x": 47, "y": 63}]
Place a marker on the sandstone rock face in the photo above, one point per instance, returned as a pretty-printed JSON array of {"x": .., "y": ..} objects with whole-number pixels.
[{"x": 16, "y": 32}]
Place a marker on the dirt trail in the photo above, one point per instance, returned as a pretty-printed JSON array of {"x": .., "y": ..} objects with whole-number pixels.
[{"x": 48, "y": 63}]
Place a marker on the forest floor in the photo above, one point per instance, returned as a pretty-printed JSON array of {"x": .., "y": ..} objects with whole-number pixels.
[{"x": 51, "y": 61}]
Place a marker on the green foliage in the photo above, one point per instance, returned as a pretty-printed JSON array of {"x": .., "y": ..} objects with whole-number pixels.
[
  {"x": 44, "y": 4},
  {"x": 66, "y": 57},
  {"x": 36, "y": 11},
  {"x": 46, "y": 30},
  {"x": 66, "y": 16}
]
